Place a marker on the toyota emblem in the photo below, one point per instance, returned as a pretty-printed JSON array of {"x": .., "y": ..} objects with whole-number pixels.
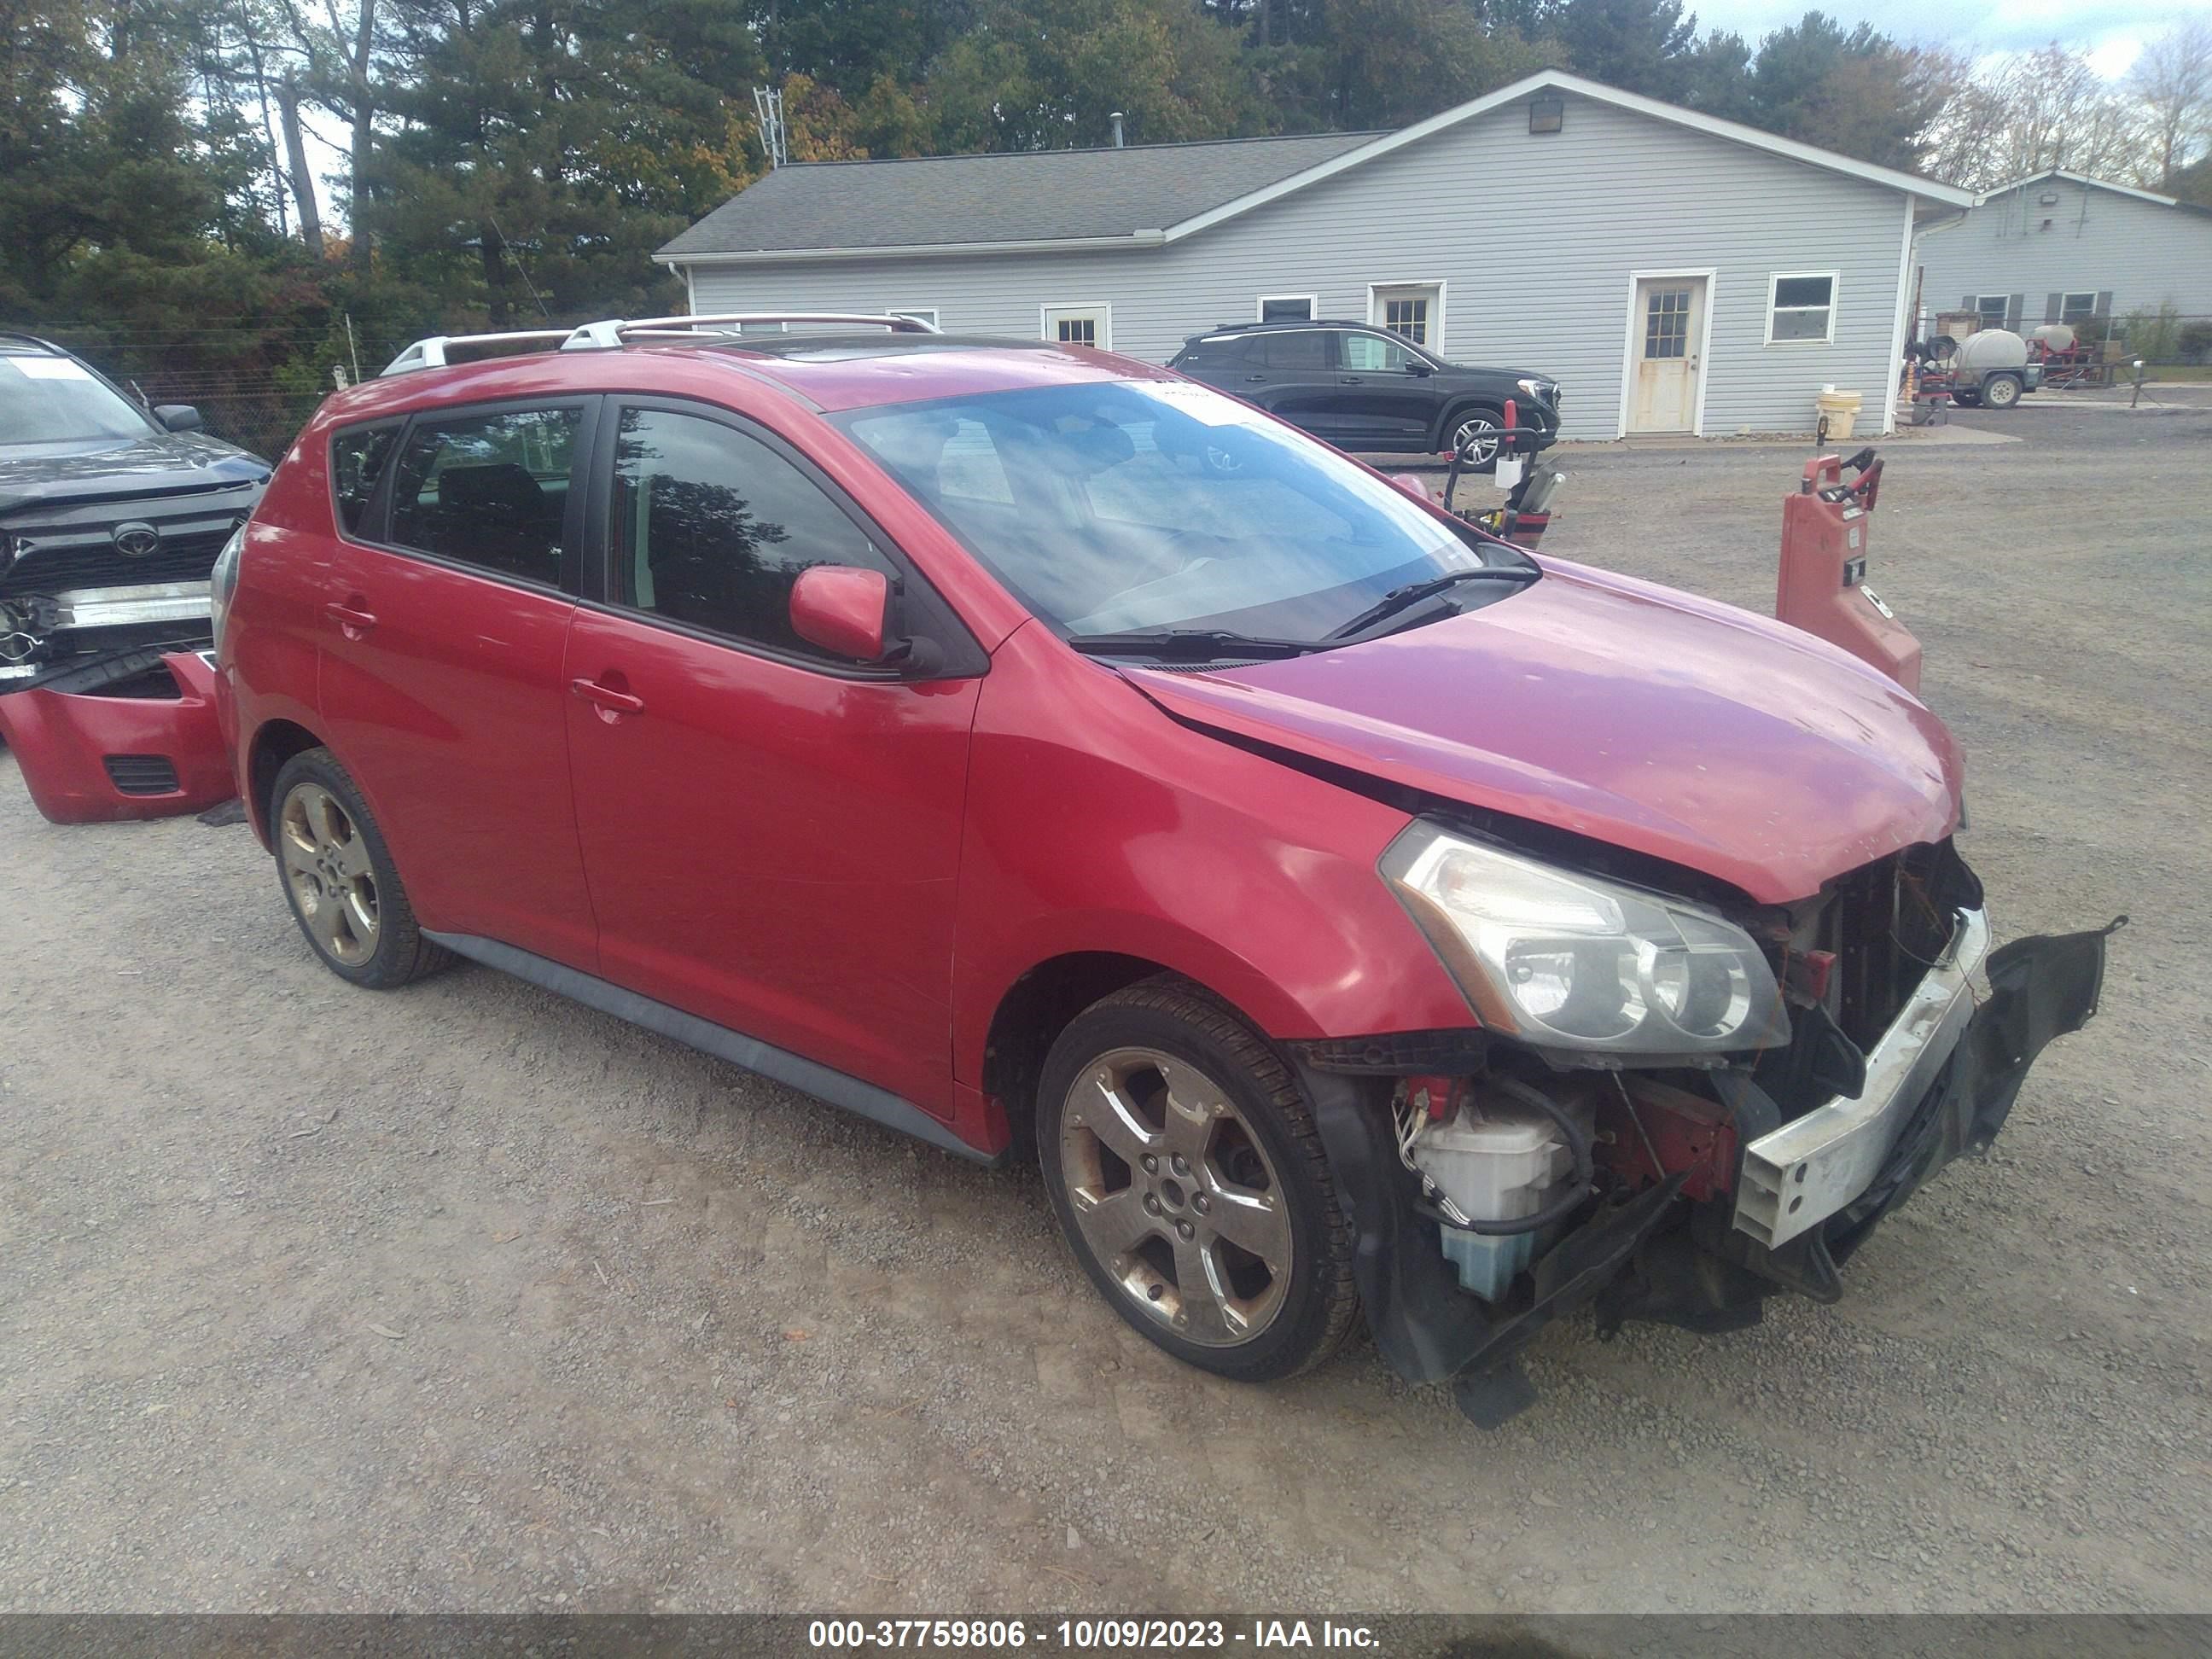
[{"x": 136, "y": 540}]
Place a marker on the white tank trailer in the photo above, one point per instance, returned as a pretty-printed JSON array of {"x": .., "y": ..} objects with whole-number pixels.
[{"x": 1991, "y": 366}]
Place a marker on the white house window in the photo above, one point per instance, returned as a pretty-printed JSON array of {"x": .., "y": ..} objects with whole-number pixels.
[
  {"x": 1994, "y": 308},
  {"x": 1078, "y": 324},
  {"x": 1414, "y": 310},
  {"x": 920, "y": 314},
  {"x": 2077, "y": 308},
  {"x": 1801, "y": 306},
  {"x": 1286, "y": 309}
]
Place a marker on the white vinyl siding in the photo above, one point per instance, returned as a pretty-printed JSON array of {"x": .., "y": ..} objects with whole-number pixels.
[{"x": 1534, "y": 273}]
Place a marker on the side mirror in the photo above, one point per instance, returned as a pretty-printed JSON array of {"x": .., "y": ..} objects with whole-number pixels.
[
  {"x": 1419, "y": 368},
  {"x": 1414, "y": 485},
  {"x": 841, "y": 609},
  {"x": 178, "y": 417}
]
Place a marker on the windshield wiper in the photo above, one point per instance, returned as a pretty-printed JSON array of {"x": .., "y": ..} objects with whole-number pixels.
[
  {"x": 1399, "y": 599},
  {"x": 1198, "y": 644}
]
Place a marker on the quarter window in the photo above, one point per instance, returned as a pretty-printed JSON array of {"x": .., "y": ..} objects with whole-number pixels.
[
  {"x": 357, "y": 458},
  {"x": 712, "y": 527},
  {"x": 489, "y": 490},
  {"x": 1802, "y": 308}
]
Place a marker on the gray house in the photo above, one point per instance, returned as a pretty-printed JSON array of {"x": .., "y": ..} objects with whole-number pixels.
[
  {"x": 1676, "y": 272},
  {"x": 2058, "y": 247}
]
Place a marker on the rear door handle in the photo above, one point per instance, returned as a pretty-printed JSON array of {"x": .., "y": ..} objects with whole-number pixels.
[
  {"x": 1350, "y": 380},
  {"x": 354, "y": 623},
  {"x": 609, "y": 701},
  {"x": 1254, "y": 378}
]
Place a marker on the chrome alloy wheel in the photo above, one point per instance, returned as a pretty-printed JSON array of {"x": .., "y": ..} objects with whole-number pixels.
[
  {"x": 1475, "y": 438},
  {"x": 1176, "y": 1198},
  {"x": 326, "y": 865}
]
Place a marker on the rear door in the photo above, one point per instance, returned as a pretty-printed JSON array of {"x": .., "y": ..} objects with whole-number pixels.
[
  {"x": 443, "y": 631},
  {"x": 1302, "y": 385}
]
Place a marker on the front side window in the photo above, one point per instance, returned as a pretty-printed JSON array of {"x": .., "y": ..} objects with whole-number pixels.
[
  {"x": 1122, "y": 505},
  {"x": 357, "y": 456},
  {"x": 712, "y": 527},
  {"x": 1371, "y": 354},
  {"x": 49, "y": 399},
  {"x": 488, "y": 489},
  {"x": 1803, "y": 308}
]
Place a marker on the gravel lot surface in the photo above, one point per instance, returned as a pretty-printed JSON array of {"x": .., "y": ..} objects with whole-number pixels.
[{"x": 465, "y": 1297}]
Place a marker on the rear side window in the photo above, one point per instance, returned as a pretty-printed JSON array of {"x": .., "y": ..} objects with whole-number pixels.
[
  {"x": 357, "y": 458},
  {"x": 1307, "y": 348},
  {"x": 712, "y": 528},
  {"x": 488, "y": 489}
]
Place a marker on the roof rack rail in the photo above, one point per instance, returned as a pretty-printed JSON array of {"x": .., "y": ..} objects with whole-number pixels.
[
  {"x": 441, "y": 349},
  {"x": 31, "y": 339},
  {"x": 607, "y": 335}
]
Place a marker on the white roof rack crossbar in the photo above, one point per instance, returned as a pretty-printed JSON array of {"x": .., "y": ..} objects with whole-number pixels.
[
  {"x": 607, "y": 335},
  {"x": 441, "y": 349}
]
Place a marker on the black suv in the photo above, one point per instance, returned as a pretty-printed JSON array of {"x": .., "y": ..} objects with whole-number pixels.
[
  {"x": 1369, "y": 391},
  {"x": 111, "y": 513}
]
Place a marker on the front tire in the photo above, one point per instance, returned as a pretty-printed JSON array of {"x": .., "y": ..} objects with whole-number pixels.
[
  {"x": 1475, "y": 435},
  {"x": 1186, "y": 1172},
  {"x": 339, "y": 879}
]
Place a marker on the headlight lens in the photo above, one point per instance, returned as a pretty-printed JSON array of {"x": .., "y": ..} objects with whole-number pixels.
[
  {"x": 222, "y": 583},
  {"x": 1571, "y": 961},
  {"x": 1540, "y": 390}
]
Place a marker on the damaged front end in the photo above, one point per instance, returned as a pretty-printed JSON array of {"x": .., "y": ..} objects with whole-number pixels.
[
  {"x": 1502, "y": 1178},
  {"x": 129, "y": 735}
]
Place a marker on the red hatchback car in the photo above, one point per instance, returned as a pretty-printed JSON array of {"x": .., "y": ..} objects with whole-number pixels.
[{"x": 1026, "y": 747}]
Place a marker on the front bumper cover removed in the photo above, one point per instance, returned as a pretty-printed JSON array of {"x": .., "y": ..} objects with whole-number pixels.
[
  {"x": 1952, "y": 1080},
  {"x": 90, "y": 756}
]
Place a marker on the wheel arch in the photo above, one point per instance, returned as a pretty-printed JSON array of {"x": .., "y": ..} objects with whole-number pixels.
[
  {"x": 1466, "y": 404},
  {"x": 274, "y": 742}
]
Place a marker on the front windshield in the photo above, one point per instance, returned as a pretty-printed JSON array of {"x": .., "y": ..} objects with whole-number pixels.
[
  {"x": 46, "y": 399},
  {"x": 1123, "y": 506}
]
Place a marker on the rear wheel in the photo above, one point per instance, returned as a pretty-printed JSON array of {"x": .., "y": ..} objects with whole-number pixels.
[
  {"x": 1189, "y": 1177},
  {"x": 2001, "y": 391},
  {"x": 339, "y": 879}
]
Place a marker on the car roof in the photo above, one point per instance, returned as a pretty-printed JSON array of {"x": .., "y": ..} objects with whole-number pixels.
[
  {"x": 828, "y": 373},
  {"x": 23, "y": 344}
]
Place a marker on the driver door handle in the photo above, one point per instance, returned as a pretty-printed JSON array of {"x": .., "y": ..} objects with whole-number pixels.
[
  {"x": 606, "y": 699},
  {"x": 1255, "y": 377},
  {"x": 1350, "y": 380},
  {"x": 355, "y": 623}
]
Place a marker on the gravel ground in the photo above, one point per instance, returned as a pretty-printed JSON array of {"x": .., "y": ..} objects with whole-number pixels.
[{"x": 467, "y": 1297}]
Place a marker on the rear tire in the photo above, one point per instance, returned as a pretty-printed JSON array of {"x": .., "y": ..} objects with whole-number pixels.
[
  {"x": 339, "y": 879},
  {"x": 1187, "y": 1176}
]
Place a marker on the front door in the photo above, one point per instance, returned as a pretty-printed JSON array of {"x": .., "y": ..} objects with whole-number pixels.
[
  {"x": 441, "y": 687},
  {"x": 772, "y": 835},
  {"x": 1667, "y": 329},
  {"x": 1385, "y": 396}
]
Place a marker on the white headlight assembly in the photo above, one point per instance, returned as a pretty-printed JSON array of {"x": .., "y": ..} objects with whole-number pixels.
[{"x": 1575, "y": 962}]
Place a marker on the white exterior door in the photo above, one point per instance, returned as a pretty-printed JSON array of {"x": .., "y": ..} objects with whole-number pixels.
[
  {"x": 1079, "y": 326},
  {"x": 1666, "y": 334}
]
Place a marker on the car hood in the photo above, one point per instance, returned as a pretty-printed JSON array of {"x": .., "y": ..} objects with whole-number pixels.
[
  {"x": 88, "y": 469},
  {"x": 1621, "y": 710}
]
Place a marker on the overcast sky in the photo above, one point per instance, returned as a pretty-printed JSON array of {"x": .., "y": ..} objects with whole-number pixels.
[{"x": 2114, "y": 30}]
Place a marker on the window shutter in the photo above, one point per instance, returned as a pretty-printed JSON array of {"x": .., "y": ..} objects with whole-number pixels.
[
  {"x": 2012, "y": 311},
  {"x": 2053, "y": 306},
  {"x": 2104, "y": 302}
]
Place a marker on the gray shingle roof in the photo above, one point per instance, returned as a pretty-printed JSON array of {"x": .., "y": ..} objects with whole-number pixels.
[{"x": 1023, "y": 196}]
